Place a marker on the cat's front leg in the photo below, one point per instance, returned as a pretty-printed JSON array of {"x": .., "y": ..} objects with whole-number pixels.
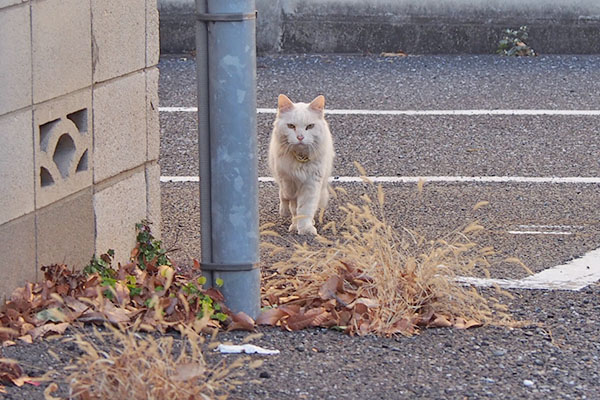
[
  {"x": 308, "y": 200},
  {"x": 292, "y": 210},
  {"x": 284, "y": 206}
]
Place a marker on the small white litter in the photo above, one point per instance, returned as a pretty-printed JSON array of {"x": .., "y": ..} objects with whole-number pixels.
[{"x": 245, "y": 348}]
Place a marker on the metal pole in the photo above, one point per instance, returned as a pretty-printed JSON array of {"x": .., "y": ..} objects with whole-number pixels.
[
  {"x": 203, "y": 136},
  {"x": 231, "y": 226}
]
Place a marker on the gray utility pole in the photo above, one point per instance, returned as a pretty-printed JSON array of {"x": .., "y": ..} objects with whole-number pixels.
[{"x": 226, "y": 68}]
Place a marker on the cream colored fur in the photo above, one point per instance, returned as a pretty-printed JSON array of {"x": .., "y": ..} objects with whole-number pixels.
[{"x": 301, "y": 160}]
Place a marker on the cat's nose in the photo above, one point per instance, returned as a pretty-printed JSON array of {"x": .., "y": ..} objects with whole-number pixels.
[{"x": 300, "y": 137}]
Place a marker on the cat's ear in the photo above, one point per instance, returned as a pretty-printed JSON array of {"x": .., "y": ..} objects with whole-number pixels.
[
  {"x": 318, "y": 104},
  {"x": 284, "y": 103}
]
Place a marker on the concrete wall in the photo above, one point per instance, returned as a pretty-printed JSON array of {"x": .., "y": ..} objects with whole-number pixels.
[
  {"x": 414, "y": 26},
  {"x": 79, "y": 131}
]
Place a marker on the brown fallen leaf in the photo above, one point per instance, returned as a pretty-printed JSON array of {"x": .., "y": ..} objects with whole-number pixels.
[
  {"x": 329, "y": 289},
  {"x": 440, "y": 322},
  {"x": 26, "y": 338},
  {"x": 270, "y": 316},
  {"x": 116, "y": 315},
  {"x": 303, "y": 320},
  {"x": 121, "y": 293},
  {"x": 42, "y": 330},
  {"x": 461, "y": 323},
  {"x": 241, "y": 321},
  {"x": 20, "y": 381},
  {"x": 369, "y": 303},
  {"x": 9, "y": 370}
]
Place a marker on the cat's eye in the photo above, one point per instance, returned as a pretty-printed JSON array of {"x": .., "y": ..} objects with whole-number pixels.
[
  {"x": 291, "y": 126},
  {"x": 310, "y": 126}
]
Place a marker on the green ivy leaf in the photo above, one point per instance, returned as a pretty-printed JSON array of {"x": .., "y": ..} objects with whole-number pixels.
[{"x": 221, "y": 317}]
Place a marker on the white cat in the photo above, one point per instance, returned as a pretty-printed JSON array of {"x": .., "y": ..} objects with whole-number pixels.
[{"x": 301, "y": 160}]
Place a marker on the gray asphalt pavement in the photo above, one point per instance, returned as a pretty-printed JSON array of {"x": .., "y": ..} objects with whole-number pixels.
[{"x": 562, "y": 359}]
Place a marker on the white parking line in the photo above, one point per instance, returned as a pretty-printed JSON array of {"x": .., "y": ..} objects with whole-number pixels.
[
  {"x": 574, "y": 275},
  {"x": 420, "y": 112},
  {"x": 539, "y": 233},
  {"x": 550, "y": 226},
  {"x": 444, "y": 179}
]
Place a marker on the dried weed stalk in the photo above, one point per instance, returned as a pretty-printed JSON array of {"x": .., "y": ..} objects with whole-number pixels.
[
  {"x": 141, "y": 367},
  {"x": 373, "y": 279}
]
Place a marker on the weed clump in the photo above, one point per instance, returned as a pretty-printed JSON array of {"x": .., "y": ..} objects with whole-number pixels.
[
  {"x": 141, "y": 367},
  {"x": 374, "y": 279}
]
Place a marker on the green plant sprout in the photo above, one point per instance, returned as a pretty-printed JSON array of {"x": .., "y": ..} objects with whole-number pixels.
[{"x": 514, "y": 43}]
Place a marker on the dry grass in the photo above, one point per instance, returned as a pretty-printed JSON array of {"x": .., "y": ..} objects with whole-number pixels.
[
  {"x": 141, "y": 367},
  {"x": 374, "y": 279}
]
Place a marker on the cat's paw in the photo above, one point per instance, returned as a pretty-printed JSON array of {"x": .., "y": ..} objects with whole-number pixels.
[
  {"x": 307, "y": 230},
  {"x": 293, "y": 227}
]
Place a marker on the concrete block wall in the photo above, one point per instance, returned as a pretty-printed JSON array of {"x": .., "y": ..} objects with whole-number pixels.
[{"x": 79, "y": 131}]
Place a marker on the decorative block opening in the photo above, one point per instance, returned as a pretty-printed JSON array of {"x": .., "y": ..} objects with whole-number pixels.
[
  {"x": 45, "y": 177},
  {"x": 46, "y": 133},
  {"x": 79, "y": 118},
  {"x": 63, "y": 154},
  {"x": 82, "y": 165}
]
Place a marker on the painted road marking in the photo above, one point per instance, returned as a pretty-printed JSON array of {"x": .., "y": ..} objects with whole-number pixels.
[
  {"x": 550, "y": 226},
  {"x": 415, "y": 179},
  {"x": 539, "y": 233},
  {"x": 420, "y": 112},
  {"x": 574, "y": 275}
]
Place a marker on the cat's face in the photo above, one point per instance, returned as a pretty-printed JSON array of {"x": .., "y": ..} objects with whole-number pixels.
[{"x": 300, "y": 124}]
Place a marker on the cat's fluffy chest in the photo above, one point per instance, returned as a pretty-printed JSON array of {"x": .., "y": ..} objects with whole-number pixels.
[{"x": 289, "y": 168}]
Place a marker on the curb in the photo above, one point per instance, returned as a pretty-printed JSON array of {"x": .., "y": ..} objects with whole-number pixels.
[{"x": 412, "y": 26}]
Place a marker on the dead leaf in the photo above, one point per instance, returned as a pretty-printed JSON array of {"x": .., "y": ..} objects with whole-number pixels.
[
  {"x": 329, "y": 289},
  {"x": 461, "y": 323},
  {"x": 20, "y": 381},
  {"x": 116, "y": 315},
  {"x": 121, "y": 293},
  {"x": 9, "y": 370},
  {"x": 215, "y": 294},
  {"x": 440, "y": 322},
  {"x": 76, "y": 305},
  {"x": 369, "y": 303},
  {"x": 303, "y": 320},
  {"x": 26, "y": 338},
  {"x": 40, "y": 331},
  {"x": 241, "y": 321},
  {"x": 270, "y": 316}
]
